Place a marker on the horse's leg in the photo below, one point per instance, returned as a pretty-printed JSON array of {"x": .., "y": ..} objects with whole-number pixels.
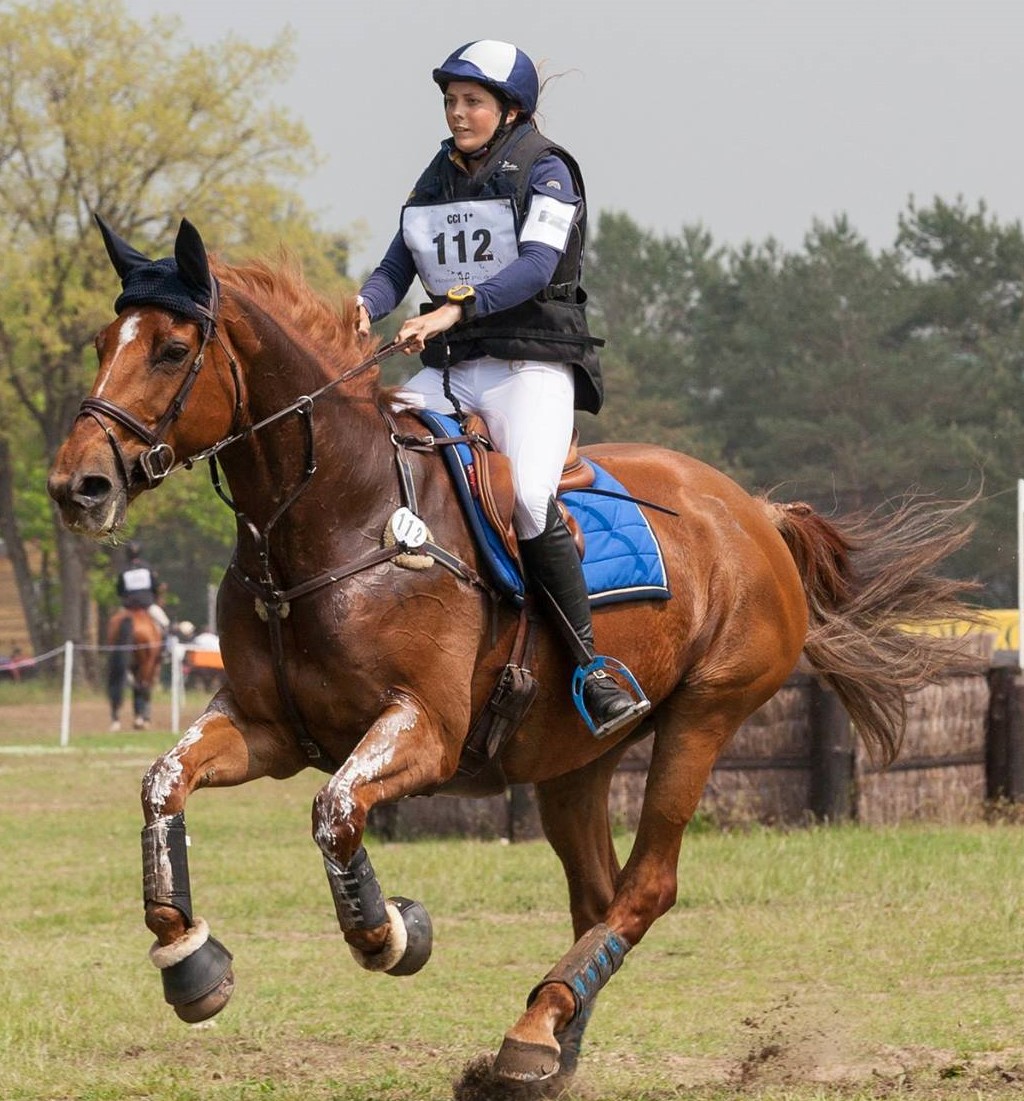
[
  {"x": 402, "y": 752},
  {"x": 141, "y": 702},
  {"x": 217, "y": 750},
  {"x": 685, "y": 749},
  {"x": 115, "y": 691},
  {"x": 574, "y": 813}
]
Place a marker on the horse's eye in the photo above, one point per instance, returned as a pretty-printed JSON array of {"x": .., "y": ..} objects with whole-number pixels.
[{"x": 174, "y": 352}]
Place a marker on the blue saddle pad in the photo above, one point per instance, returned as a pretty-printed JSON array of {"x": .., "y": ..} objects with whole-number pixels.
[{"x": 622, "y": 559}]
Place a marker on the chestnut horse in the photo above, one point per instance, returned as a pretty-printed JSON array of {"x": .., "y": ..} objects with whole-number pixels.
[
  {"x": 337, "y": 654},
  {"x": 136, "y": 643}
]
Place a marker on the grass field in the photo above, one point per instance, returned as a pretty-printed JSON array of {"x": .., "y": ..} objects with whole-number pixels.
[{"x": 808, "y": 965}]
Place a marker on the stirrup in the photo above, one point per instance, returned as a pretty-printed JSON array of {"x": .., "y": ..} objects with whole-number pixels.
[{"x": 641, "y": 704}]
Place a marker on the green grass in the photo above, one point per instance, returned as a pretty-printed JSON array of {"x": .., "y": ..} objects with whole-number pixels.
[{"x": 796, "y": 966}]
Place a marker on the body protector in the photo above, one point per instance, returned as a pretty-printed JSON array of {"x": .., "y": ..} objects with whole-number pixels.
[{"x": 465, "y": 229}]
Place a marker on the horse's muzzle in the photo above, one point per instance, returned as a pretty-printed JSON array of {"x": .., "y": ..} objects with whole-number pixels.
[{"x": 90, "y": 503}]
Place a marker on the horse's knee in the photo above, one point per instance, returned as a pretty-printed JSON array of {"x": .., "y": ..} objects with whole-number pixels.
[
  {"x": 163, "y": 787},
  {"x": 338, "y": 820}
]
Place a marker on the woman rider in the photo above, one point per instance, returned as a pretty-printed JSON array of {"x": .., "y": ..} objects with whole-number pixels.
[{"x": 495, "y": 230}]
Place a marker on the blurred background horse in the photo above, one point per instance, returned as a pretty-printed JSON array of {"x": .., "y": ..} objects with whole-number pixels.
[{"x": 137, "y": 643}]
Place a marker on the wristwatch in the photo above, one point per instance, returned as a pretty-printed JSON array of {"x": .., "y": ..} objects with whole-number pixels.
[{"x": 465, "y": 296}]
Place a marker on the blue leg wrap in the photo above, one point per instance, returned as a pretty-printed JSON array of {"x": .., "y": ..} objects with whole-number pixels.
[{"x": 587, "y": 966}]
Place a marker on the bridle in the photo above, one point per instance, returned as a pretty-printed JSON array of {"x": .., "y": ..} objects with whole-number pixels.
[{"x": 158, "y": 460}]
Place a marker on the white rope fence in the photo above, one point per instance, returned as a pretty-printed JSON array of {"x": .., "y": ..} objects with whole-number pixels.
[{"x": 16, "y": 667}]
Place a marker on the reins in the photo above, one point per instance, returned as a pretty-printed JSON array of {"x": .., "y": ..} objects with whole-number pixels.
[{"x": 302, "y": 404}]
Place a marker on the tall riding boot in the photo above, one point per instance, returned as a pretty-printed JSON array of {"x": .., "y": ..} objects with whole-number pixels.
[{"x": 553, "y": 567}]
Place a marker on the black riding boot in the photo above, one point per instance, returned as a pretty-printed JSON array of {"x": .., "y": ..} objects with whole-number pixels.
[{"x": 553, "y": 567}]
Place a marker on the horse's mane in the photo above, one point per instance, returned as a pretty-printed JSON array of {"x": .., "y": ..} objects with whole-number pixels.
[{"x": 324, "y": 328}]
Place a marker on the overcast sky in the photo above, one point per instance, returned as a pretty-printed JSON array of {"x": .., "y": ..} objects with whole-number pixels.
[{"x": 753, "y": 117}]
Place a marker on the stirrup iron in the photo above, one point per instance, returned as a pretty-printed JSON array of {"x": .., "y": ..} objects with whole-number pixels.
[{"x": 641, "y": 704}]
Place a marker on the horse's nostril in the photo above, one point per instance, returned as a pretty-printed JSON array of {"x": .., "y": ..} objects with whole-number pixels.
[{"x": 92, "y": 489}]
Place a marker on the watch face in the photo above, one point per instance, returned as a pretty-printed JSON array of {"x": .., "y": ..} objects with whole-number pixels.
[{"x": 461, "y": 292}]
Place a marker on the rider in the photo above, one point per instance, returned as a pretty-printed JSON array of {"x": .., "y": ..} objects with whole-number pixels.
[
  {"x": 138, "y": 586},
  {"x": 495, "y": 229}
]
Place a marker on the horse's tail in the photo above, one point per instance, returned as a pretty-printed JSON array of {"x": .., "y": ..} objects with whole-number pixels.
[
  {"x": 120, "y": 657},
  {"x": 870, "y": 580}
]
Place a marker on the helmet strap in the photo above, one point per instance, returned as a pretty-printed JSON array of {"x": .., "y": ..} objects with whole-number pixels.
[{"x": 500, "y": 131}]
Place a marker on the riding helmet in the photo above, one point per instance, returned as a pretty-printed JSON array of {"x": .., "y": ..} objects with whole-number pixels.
[{"x": 499, "y": 66}]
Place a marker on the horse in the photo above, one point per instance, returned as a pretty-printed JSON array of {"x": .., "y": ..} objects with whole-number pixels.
[
  {"x": 136, "y": 643},
  {"x": 340, "y": 655}
]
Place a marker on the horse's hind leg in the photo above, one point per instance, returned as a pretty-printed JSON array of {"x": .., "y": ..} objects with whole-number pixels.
[
  {"x": 683, "y": 756},
  {"x": 213, "y": 752},
  {"x": 115, "y": 696},
  {"x": 141, "y": 700},
  {"x": 574, "y": 813}
]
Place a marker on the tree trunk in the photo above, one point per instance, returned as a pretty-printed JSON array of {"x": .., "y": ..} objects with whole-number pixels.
[
  {"x": 10, "y": 531},
  {"x": 73, "y": 554}
]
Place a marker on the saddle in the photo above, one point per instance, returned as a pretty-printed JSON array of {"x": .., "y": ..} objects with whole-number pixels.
[{"x": 496, "y": 491}]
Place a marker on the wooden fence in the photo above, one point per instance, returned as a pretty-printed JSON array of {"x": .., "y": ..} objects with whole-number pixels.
[{"x": 796, "y": 760}]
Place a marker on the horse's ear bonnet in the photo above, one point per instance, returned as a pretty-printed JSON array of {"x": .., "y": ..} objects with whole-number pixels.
[{"x": 183, "y": 285}]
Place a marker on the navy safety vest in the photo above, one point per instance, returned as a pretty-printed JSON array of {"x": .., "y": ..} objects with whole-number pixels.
[{"x": 551, "y": 326}]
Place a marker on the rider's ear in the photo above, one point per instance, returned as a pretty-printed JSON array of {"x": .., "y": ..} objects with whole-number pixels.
[
  {"x": 122, "y": 255},
  {"x": 190, "y": 254}
]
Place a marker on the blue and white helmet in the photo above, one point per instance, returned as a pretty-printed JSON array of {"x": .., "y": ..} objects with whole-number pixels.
[{"x": 499, "y": 66}]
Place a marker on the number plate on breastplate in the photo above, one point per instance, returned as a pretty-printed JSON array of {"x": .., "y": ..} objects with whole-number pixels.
[{"x": 408, "y": 529}]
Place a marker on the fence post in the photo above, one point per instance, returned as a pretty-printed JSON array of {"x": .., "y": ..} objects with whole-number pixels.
[
  {"x": 177, "y": 684},
  {"x": 832, "y": 762},
  {"x": 65, "y": 703},
  {"x": 1004, "y": 735}
]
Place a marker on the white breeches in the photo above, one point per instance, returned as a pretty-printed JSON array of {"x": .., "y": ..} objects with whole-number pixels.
[
  {"x": 528, "y": 407},
  {"x": 159, "y": 615}
]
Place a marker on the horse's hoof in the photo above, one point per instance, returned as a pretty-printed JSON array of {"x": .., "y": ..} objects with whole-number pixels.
[
  {"x": 409, "y": 942},
  {"x": 419, "y": 936},
  {"x": 209, "y": 1005},
  {"x": 525, "y": 1061},
  {"x": 140, "y": 723},
  {"x": 114, "y": 727},
  {"x": 196, "y": 973}
]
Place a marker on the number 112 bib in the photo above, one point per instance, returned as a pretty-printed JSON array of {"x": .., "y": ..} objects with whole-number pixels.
[{"x": 464, "y": 241}]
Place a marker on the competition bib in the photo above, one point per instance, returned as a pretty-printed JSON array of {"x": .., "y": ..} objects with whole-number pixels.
[
  {"x": 137, "y": 580},
  {"x": 464, "y": 241}
]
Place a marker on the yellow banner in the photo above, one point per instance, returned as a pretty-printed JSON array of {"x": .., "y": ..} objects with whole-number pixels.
[{"x": 1002, "y": 622}]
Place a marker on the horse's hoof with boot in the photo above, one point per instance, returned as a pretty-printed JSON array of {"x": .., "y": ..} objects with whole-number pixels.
[
  {"x": 196, "y": 972},
  {"x": 409, "y": 943}
]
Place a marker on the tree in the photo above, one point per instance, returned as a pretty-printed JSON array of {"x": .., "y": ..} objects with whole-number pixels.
[
  {"x": 647, "y": 304},
  {"x": 178, "y": 130},
  {"x": 969, "y": 271},
  {"x": 832, "y": 373}
]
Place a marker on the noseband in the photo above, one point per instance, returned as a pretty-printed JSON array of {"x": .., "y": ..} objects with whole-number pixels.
[{"x": 158, "y": 460}]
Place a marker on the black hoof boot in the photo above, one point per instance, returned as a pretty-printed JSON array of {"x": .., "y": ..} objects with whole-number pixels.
[{"x": 196, "y": 971}]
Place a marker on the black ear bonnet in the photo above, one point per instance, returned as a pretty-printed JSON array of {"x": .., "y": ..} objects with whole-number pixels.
[{"x": 182, "y": 285}]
